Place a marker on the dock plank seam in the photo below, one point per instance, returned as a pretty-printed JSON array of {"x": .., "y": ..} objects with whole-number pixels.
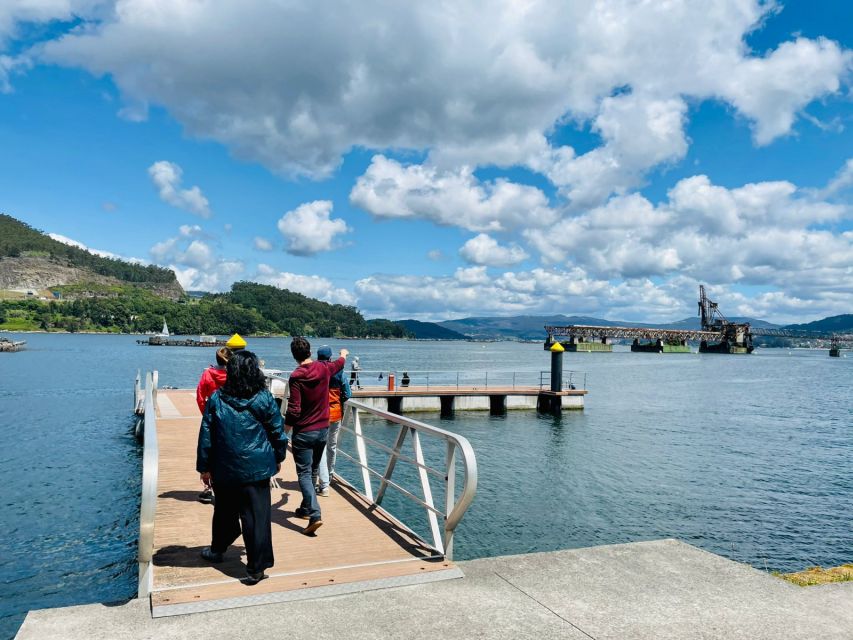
[{"x": 545, "y": 606}]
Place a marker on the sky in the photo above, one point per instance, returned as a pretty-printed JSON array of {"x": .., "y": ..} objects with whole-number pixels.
[{"x": 447, "y": 159}]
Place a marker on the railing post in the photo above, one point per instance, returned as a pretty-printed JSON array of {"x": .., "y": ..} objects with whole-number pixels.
[
  {"x": 422, "y": 473},
  {"x": 513, "y": 380},
  {"x": 148, "y": 502},
  {"x": 487, "y": 380},
  {"x": 457, "y": 381},
  {"x": 362, "y": 455},
  {"x": 450, "y": 498},
  {"x": 392, "y": 462}
]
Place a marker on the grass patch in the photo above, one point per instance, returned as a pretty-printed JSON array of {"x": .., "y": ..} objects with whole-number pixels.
[{"x": 819, "y": 575}]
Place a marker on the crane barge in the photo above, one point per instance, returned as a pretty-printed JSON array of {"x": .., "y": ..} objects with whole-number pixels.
[{"x": 716, "y": 335}]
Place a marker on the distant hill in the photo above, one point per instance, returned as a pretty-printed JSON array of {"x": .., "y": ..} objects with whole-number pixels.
[
  {"x": 430, "y": 331},
  {"x": 296, "y": 314},
  {"x": 695, "y": 323},
  {"x": 833, "y": 324},
  {"x": 31, "y": 260}
]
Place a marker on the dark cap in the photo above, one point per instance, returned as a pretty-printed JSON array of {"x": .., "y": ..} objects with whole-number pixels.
[{"x": 324, "y": 353}]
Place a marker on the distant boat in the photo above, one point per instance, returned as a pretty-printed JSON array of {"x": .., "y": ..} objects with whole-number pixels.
[
  {"x": 165, "y": 332},
  {"x": 12, "y": 345}
]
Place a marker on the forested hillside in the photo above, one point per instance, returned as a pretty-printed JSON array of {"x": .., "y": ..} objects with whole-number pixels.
[
  {"x": 18, "y": 239},
  {"x": 51, "y": 286},
  {"x": 249, "y": 308},
  {"x": 833, "y": 324}
]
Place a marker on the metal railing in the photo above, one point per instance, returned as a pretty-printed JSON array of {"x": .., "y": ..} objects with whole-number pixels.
[
  {"x": 148, "y": 503},
  {"x": 571, "y": 380},
  {"x": 458, "y": 449},
  {"x": 378, "y": 379}
]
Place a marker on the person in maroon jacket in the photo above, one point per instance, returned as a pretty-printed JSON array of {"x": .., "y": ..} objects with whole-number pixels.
[{"x": 308, "y": 416}]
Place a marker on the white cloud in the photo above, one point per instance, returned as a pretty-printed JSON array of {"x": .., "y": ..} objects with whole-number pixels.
[
  {"x": 262, "y": 244},
  {"x": 166, "y": 176},
  {"x": 488, "y": 97},
  {"x": 308, "y": 229},
  {"x": 8, "y": 66},
  {"x": 761, "y": 234},
  {"x": 98, "y": 252},
  {"x": 389, "y": 189},
  {"x": 471, "y": 291},
  {"x": 485, "y": 250},
  {"x": 638, "y": 132},
  {"x": 772, "y": 90},
  {"x": 842, "y": 181},
  {"x": 195, "y": 263},
  {"x": 309, "y": 285}
]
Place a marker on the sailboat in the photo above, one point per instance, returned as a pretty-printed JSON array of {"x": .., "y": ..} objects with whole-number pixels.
[{"x": 165, "y": 332}]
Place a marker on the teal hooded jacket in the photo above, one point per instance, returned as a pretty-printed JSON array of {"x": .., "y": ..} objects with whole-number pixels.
[{"x": 240, "y": 440}]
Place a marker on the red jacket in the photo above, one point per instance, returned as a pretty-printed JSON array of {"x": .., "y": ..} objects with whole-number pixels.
[
  {"x": 212, "y": 378},
  {"x": 308, "y": 404}
]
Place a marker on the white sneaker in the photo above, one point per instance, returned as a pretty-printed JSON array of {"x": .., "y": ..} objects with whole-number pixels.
[{"x": 324, "y": 493}]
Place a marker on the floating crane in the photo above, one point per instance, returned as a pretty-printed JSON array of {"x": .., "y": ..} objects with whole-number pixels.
[
  {"x": 717, "y": 335},
  {"x": 734, "y": 337}
]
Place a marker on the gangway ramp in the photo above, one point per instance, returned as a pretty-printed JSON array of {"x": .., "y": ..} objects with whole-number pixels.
[{"x": 360, "y": 546}]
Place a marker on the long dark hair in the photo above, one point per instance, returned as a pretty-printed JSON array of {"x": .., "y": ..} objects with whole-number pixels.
[{"x": 244, "y": 377}]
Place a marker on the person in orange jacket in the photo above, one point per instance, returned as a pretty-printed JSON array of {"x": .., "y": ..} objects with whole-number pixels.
[{"x": 339, "y": 393}]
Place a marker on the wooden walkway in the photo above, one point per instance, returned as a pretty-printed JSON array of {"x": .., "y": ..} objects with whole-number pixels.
[{"x": 359, "y": 547}]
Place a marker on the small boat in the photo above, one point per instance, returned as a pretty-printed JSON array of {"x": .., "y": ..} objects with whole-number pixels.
[
  {"x": 7, "y": 345},
  {"x": 835, "y": 348}
]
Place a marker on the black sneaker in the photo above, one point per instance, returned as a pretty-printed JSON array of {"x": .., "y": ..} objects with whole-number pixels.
[
  {"x": 206, "y": 496},
  {"x": 302, "y": 513},
  {"x": 313, "y": 525},
  {"x": 210, "y": 555},
  {"x": 254, "y": 578}
]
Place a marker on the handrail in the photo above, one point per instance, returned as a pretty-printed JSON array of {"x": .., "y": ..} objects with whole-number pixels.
[
  {"x": 460, "y": 379},
  {"x": 148, "y": 503},
  {"x": 571, "y": 380},
  {"x": 458, "y": 447}
]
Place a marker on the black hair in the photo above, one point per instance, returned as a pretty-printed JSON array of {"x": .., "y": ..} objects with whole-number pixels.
[
  {"x": 300, "y": 348},
  {"x": 244, "y": 377}
]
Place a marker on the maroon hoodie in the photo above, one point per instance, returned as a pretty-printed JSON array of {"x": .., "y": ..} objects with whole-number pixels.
[{"x": 308, "y": 404}]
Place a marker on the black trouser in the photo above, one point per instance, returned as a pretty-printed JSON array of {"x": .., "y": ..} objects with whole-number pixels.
[{"x": 249, "y": 505}]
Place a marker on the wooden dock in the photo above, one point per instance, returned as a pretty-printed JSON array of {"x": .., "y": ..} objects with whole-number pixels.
[{"x": 359, "y": 547}]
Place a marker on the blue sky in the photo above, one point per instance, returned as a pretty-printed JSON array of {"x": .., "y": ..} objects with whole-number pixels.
[{"x": 470, "y": 158}]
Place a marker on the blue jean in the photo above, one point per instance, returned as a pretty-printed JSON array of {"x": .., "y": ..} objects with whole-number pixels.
[
  {"x": 308, "y": 448},
  {"x": 330, "y": 453}
]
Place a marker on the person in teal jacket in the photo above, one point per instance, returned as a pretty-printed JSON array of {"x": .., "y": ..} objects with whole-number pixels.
[{"x": 241, "y": 445}]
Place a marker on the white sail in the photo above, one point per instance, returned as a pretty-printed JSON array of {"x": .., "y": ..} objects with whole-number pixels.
[{"x": 165, "y": 331}]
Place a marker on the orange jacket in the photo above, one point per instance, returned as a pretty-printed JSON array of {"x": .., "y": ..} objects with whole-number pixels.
[{"x": 335, "y": 409}]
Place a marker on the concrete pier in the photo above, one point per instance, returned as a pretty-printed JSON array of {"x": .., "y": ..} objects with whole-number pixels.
[
  {"x": 496, "y": 400},
  {"x": 657, "y": 590}
]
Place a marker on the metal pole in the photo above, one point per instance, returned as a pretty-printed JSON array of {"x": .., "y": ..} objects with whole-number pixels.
[{"x": 557, "y": 367}]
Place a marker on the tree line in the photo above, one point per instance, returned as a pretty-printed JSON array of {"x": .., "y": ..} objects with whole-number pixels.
[{"x": 248, "y": 308}]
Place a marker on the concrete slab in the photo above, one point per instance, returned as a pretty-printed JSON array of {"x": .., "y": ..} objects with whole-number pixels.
[
  {"x": 669, "y": 589},
  {"x": 662, "y": 589},
  {"x": 481, "y": 606}
]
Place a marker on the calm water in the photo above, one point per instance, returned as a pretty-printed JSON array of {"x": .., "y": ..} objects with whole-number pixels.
[{"x": 748, "y": 457}]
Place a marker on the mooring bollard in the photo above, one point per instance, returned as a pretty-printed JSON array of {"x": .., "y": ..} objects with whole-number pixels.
[{"x": 557, "y": 366}]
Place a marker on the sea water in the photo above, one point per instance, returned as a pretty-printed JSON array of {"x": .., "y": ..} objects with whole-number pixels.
[{"x": 745, "y": 456}]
